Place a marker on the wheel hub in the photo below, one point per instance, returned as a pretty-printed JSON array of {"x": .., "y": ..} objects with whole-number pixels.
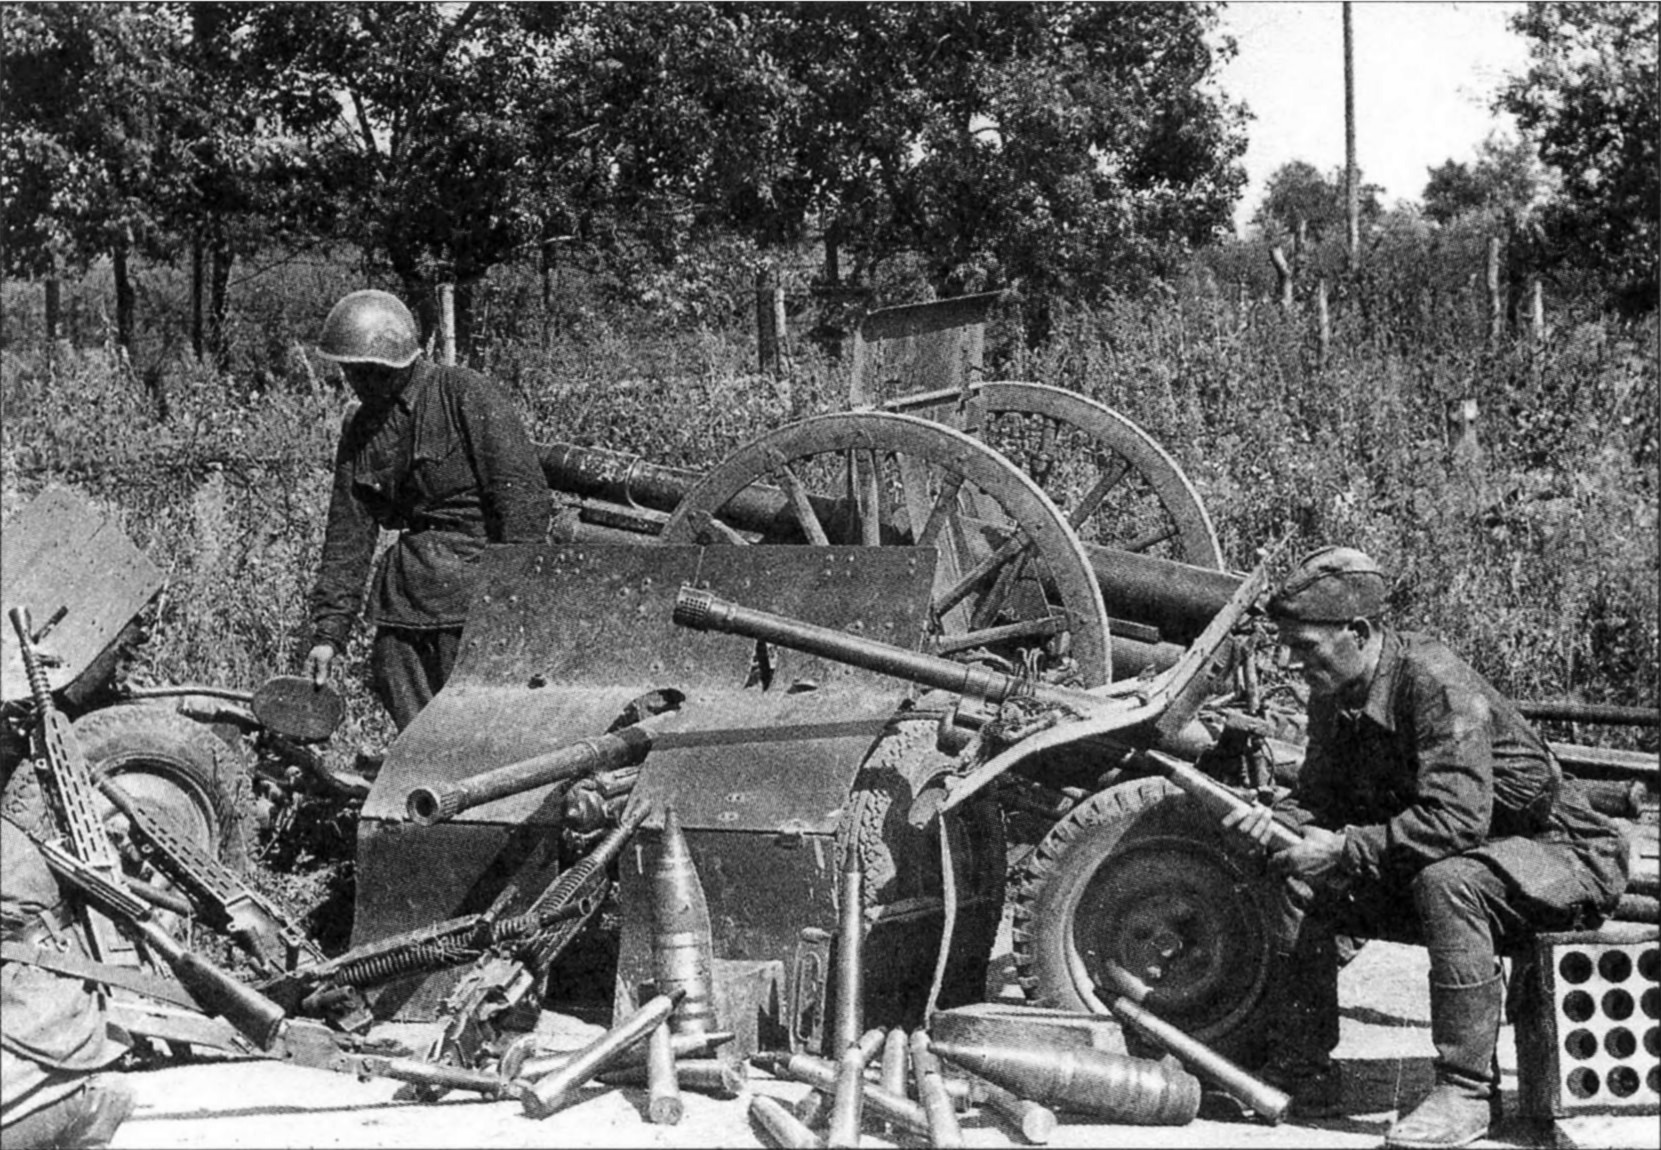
[{"x": 1173, "y": 914}]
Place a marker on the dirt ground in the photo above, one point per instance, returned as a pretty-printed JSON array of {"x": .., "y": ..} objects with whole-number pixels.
[{"x": 1385, "y": 1050}]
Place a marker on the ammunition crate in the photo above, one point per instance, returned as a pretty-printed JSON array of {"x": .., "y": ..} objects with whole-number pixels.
[{"x": 1587, "y": 1038}]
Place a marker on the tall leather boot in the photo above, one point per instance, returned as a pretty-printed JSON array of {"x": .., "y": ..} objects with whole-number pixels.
[{"x": 1464, "y": 1025}]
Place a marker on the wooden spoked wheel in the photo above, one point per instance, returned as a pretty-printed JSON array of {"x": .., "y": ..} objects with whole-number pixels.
[
  {"x": 1011, "y": 576},
  {"x": 1117, "y": 486}
]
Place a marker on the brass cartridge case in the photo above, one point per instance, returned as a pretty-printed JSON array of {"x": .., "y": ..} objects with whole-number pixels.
[
  {"x": 663, "y": 1088},
  {"x": 847, "y": 1115},
  {"x": 784, "y": 1129},
  {"x": 526, "y": 1064},
  {"x": 821, "y": 1074},
  {"x": 717, "y": 1077},
  {"x": 557, "y": 1089},
  {"x": 895, "y": 1067},
  {"x": 1035, "y": 1122},
  {"x": 944, "y": 1130},
  {"x": 850, "y": 955}
]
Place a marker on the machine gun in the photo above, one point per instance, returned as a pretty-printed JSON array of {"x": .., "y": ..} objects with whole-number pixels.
[
  {"x": 224, "y": 900},
  {"x": 259, "y": 1020}
]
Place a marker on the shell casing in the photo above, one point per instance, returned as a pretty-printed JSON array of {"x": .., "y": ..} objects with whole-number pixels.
[
  {"x": 685, "y": 1046},
  {"x": 821, "y": 1074},
  {"x": 895, "y": 1068},
  {"x": 683, "y": 956},
  {"x": 847, "y": 1114},
  {"x": 850, "y": 954},
  {"x": 717, "y": 1077},
  {"x": 783, "y": 1128},
  {"x": 1268, "y": 1102},
  {"x": 944, "y": 1130},
  {"x": 1081, "y": 1080},
  {"x": 553, "y": 1092},
  {"x": 1036, "y": 1122},
  {"x": 663, "y": 1088}
]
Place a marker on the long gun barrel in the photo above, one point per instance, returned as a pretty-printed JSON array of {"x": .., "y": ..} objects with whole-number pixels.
[
  {"x": 444, "y": 801},
  {"x": 1176, "y": 597},
  {"x": 703, "y": 611}
]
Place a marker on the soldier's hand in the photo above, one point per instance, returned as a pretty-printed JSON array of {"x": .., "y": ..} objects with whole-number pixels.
[
  {"x": 1253, "y": 823},
  {"x": 318, "y": 661},
  {"x": 1316, "y": 855}
]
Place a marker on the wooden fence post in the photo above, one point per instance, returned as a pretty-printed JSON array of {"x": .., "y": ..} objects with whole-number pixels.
[
  {"x": 54, "y": 301},
  {"x": 769, "y": 319},
  {"x": 1462, "y": 418},
  {"x": 1496, "y": 305},
  {"x": 1284, "y": 271},
  {"x": 447, "y": 324},
  {"x": 1536, "y": 316},
  {"x": 1324, "y": 319}
]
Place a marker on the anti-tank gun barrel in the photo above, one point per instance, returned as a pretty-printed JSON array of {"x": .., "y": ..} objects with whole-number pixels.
[
  {"x": 427, "y": 805},
  {"x": 1154, "y": 723},
  {"x": 1177, "y": 598},
  {"x": 703, "y": 611}
]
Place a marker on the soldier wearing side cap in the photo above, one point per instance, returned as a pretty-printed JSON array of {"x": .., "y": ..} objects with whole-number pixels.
[{"x": 1431, "y": 813}]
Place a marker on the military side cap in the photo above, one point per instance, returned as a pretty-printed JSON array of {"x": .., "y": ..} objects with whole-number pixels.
[{"x": 1331, "y": 585}]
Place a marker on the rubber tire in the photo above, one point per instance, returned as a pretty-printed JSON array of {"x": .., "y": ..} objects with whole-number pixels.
[
  {"x": 179, "y": 768},
  {"x": 1127, "y": 835},
  {"x": 901, "y": 863}
]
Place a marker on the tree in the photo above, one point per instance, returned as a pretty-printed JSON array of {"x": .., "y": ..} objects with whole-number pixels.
[
  {"x": 1298, "y": 197},
  {"x": 1505, "y": 179},
  {"x": 426, "y": 125},
  {"x": 1056, "y": 149},
  {"x": 1589, "y": 99},
  {"x": 90, "y": 155}
]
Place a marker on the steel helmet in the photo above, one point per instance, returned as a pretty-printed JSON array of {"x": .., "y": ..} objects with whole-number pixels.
[{"x": 370, "y": 327}]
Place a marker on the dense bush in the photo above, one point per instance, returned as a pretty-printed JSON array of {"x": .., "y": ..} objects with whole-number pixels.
[{"x": 1535, "y": 555}]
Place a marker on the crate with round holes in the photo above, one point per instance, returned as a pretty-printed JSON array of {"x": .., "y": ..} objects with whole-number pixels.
[{"x": 1587, "y": 1035}]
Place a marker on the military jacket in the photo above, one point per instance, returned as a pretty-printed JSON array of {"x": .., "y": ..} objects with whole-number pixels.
[
  {"x": 1434, "y": 763},
  {"x": 47, "y": 1021},
  {"x": 448, "y": 465}
]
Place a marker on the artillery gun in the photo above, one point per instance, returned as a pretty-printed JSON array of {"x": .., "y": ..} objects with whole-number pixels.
[
  {"x": 1024, "y": 534},
  {"x": 881, "y": 524}
]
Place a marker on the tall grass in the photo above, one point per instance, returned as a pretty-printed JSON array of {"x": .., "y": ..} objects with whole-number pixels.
[{"x": 1535, "y": 556}]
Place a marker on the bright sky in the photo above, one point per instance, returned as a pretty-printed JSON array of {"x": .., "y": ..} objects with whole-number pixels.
[{"x": 1425, "y": 74}]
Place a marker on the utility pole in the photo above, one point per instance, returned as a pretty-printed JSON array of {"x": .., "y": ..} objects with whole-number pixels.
[{"x": 1352, "y": 194}]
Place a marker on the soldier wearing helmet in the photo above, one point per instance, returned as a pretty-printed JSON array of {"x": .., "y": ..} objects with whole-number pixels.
[
  {"x": 437, "y": 454},
  {"x": 1431, "y": 813}
]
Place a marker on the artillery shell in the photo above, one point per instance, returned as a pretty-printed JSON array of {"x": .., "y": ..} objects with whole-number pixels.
[
  {"x": 850, "y": 955},
  {"x": 663, "y": 1090},
  {"x": 848, "y": 1101},
  {"x": 813, "y": 1108},
  {"x": 1082, "y": 1080},
  {"x": 524, "y": 1061},
  {"x": 821, "y": 1074},
  {"x": 682, "y": 952},
  {"x": 783, "y": 1128},
  {"x": 894, "y": 1066},
  {"x": 718, "y": 1077},
  {"x": 944, "y": 1130},
  {"x": 557, "y": 1089},
  {"x": 1035, "y": 1122}
]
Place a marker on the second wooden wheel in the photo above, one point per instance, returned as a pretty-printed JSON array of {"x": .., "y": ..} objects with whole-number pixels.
[{"x": 1011, "y": 579}]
